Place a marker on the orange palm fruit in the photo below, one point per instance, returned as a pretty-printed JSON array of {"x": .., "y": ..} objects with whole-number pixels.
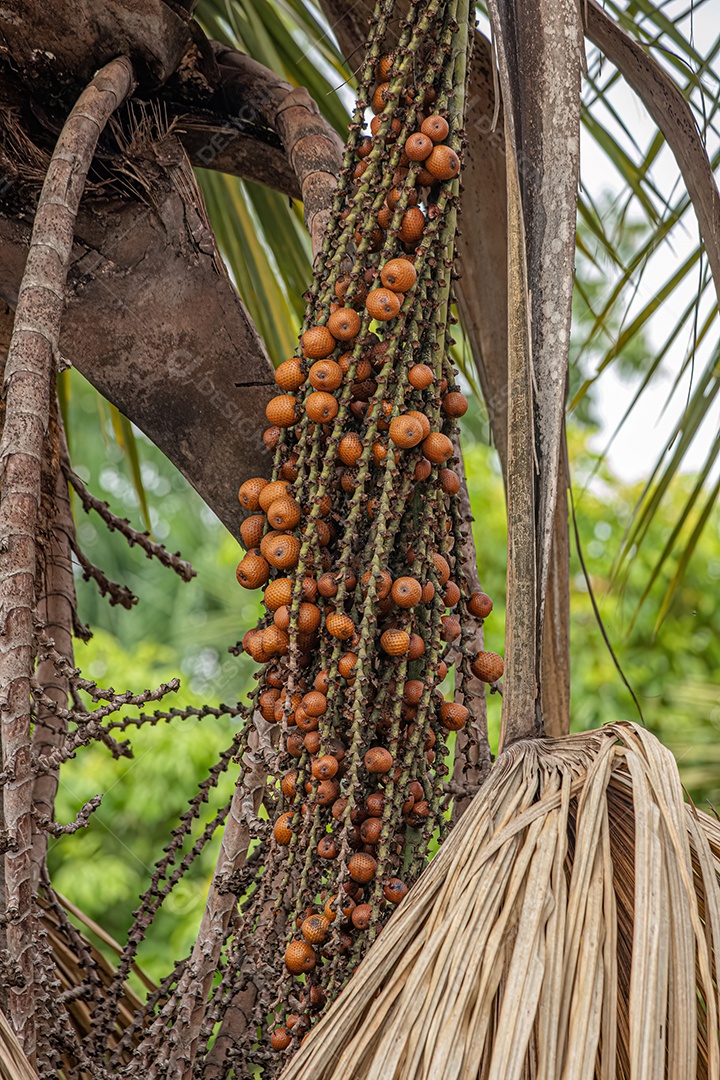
[
  {"x": 327, "y": 847},
  {"x": 289, "y": 375},
  {"x": 288, "y": 784},
  {"x": 273, "y": 491},
  {"x": 437, "y": 448},
  {"x": 370, "y": 830},
  {"x": 361, "y": 916},
  {"x": 441, "y": 568},
  {"x": 282, "y": 410},
  {"x": 315, "y": 928},
  {"x": 251, "y": 531},
  {"x": 277, "y": 593},
  {"x": 322, "y": 682},
  {"x": 422, "y": 419},
  {"x": 283, "y": 551},
  {"x": 480, "y": 605},
  {"x": 413, "y": 223},
  {"x": 395, "y": 890},
  {"x": 321, "y": 407},
  {"x": 422, "y": 470},
  {"x": 340, "y": 626},
  {"x": 406, "y": 592},
  {"x": 455, "y": 404},
  {"x": 382, "y": 304},
  {"x": 379, "y": 451},
  {"x": 384, "y": 217},
  {"x": 420, "y": 376},
  {"x": 346, "y": 664},
  {"x": 384, "y": 67},
  {"x": 300, "y": 957},
  {"x": 252, "y": 570},
  {"x": 392, "y": 132},
  {"x": 380, "y": 97},
  {"x": 284, "y": 513},
  {"x": 275, "y": 642},
  {"x": 281, "y": 829},
  {"x": 443, "y": 163},
  {"x": 405, "y": 431},
  {"x": 395, "y": 194},
  {"x": 418, "y": 146},
  {"x": 271, "y": 436},
  {"x": 325, "y": 767},
  {"x": 362, "y": 867},
  {"x": 344, "y": 324},
  {"x": 280, "y": 1039},
  {"x": 309, "y": 618},
  {"x": 267, "y": 701},
  {"x": 399, "y": 275},
  {"x": 317, "y": 343},
  {"x": 314, "y": 703},
  {"x": 378, "y": 760},
  {"x": 435, "y": 127},
  {"x": 350, "y": 448},
  {"x": 383, "y": 583},
  {"x": 453, "y": 716},
  {"x": 413, "y": 691},
  {"x": 449, "y": 481},
  {"x": 395, "y": 642},
  {"x": 294, "y": 744},
  {"x": 451, "y": 595},
  {"x": 488, "y": 666},
  {"x": 416, "y": 648},
  {"x": 325, "y": 375},
  {"x": 327, "y": 586},
  {"x": 249, "y": 493}
]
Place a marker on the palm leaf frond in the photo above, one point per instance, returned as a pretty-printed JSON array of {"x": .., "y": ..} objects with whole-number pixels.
[{"x": 567, "y": 927}]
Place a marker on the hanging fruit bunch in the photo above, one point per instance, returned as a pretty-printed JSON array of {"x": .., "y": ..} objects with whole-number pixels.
[{"x": 356, "y": 539}]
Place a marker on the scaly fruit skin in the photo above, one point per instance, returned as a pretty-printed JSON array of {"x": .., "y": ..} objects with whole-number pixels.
[
  {"x": 249, "y": 493},
  {"x": 488, "y": 666},
  {"x": 399, "y": 275},
  {"x": 282, "y": 410},
  {"x": 383, "y": 304},
  {"x": 289, "y": 375},
  {"x": 317, "y": 343},
  {"x": 325, "y": 375},
  {"x": 480, "y": 605},
  {"x": 436, "y": 128},
  {"x": 300, "y": 958}
]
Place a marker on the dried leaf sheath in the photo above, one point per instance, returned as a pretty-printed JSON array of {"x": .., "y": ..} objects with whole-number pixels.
[
  {"x": 28, "y": 380},
  {"x": 511, "y": 956}
]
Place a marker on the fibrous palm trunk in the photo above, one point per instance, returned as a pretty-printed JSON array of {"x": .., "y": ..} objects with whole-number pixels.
[{"x": 29, "y": 373}]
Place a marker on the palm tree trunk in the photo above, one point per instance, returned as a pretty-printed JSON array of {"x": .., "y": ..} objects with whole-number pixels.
[
  {"x": 55, "y": 612},
  {"x": 28, "y": 384}
]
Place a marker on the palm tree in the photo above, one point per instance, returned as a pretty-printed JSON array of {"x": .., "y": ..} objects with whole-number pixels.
[{"x": 129, "y": 284}]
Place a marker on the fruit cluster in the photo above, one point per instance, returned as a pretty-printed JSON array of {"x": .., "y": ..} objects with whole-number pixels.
[{"x": 356, "y": 539}]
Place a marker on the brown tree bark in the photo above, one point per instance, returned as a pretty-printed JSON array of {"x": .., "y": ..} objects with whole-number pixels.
[
  {"x": 56, "y": 606},
  {"x": 28, "y": 381}
]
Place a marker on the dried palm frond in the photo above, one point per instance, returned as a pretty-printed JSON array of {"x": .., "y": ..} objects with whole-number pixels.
[
  {"x": 85, "y": 974},
  {"x": 568, "y": 928},
  {"x": 13, "y": 1063}
]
